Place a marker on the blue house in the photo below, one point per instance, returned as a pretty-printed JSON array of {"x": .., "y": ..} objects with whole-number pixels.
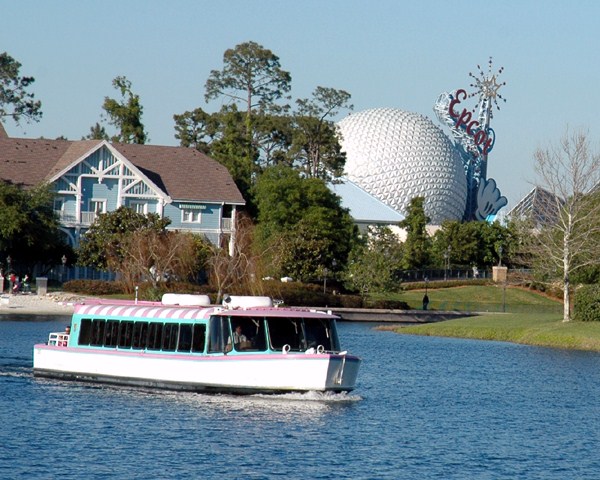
[{"x": 91, "y": 177}]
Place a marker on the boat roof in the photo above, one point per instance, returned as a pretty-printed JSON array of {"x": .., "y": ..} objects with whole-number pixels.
[{"x": 156, "y": 310}]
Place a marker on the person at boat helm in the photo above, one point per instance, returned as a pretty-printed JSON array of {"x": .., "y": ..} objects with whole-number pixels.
[{"x": 238, "y": 338}]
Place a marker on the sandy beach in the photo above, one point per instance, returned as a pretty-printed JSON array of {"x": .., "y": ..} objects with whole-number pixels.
[{"x": 56, "y": 303}]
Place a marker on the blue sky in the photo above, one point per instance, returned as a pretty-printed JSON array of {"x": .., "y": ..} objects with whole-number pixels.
[{"x": 386, "y": 53}]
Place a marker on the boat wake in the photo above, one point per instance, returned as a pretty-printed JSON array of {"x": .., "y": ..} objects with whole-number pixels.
[
  {"x": 328, "y": 397},
  {"x": 15, "y": 371}
]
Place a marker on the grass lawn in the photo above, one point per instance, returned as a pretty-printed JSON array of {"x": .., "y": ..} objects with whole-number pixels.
[
  {"x": 481, "y": 298},
  {"x": 546, "y": 330}
]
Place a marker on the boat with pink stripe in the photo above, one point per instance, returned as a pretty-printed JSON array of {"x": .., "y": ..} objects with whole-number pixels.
[{"x": 245, "y": 346}]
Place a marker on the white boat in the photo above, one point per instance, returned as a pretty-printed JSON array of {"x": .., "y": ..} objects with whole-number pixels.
[{"x": 244, "y": 346}]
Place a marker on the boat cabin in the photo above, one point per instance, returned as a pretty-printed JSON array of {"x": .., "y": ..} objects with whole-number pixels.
[{"x": 206, "y": 331}]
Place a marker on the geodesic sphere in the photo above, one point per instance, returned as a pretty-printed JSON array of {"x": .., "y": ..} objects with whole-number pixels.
[{"x": 396, "y": 156}]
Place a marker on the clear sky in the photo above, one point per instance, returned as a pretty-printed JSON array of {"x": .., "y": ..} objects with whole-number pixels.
[{"x": 386, "y": 53}]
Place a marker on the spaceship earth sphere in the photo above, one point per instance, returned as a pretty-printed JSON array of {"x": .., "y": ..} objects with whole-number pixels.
[{"x": 396, "y": 155}]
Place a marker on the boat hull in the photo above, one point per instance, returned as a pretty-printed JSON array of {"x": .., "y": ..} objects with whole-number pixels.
[{"x": 249, "y": 373}]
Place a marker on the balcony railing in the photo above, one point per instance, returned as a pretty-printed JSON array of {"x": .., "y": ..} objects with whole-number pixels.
[
  {"x": 87, "y": 218},
  {"x": 226, "y": 224}
]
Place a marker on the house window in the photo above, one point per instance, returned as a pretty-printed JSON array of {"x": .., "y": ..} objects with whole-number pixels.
[
  {"x": 97, "y": 206},
  {"x": 191, "y": 216},
  {"x": 139, "y": 207}
]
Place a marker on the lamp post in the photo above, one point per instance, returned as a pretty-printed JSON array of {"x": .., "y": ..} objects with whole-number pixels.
[
  {"x": 500, "y": 256},
  {"x": 8, "y": 272},
  {"x": 426, "y": 284},
  {"x": 447, "y": 262},
  {"x": 325, "y": 280},
  {"x": 64, "y": 266}
]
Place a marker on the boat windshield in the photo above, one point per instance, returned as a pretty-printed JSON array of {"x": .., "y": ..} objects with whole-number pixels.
[
  {"x": 258, "y": 334},
  {"x": 303, "y": 333}
]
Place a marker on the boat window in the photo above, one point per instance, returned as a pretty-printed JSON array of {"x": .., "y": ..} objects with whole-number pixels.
[
  {"x": 219, "y": 332},
  {"x": 111, "y": 333},
  {"x": 85, "y": 331},
  {"x": 199, "y": 338},
  {"x": 185, "y": 338},
  {"x": 320, "y": 332},
  {"x": 125, "y": 334},
  {"x": 252, "y": 329},
  {"x": 155, "y": 331},
  {"x": 286, "y": 331},
  {"x": 97, "y": 336},
  {"x": 140, "y": 334},
  {"x": 169, "y": 340}
]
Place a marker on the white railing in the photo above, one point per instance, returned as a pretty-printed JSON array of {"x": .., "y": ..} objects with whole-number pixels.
[
  {"x": 58, "y": 339},
  {"x": 87, "y": 218},
  {"x": 226, "y": 224},
  {"x": 65, "y": 217}
]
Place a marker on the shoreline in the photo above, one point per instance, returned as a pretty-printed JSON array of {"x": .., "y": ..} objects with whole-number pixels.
[
  {"x": 56, "y": 303},
  {"x": 533, "y": 329}
]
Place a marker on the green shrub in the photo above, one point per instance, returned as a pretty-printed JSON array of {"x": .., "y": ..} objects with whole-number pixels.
[
  {"x": 385, "y": 304},
  {"x": 93, "y": 287},
  {"x": 298, "y": 294},
  {"x": 349, "y": 301},
  {"x": 587, "y": 304}
]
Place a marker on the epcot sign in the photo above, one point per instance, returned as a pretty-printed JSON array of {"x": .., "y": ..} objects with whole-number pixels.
[
  {"x": 472, "y": 128},
  {"x": 474, "y": 139}
]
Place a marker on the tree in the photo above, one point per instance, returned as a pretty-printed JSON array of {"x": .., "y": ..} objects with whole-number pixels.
[
  {"x": 373, "y": 264},
  {"x": 102, "y": 245},
  {"x": 315, "y": 143},
  {"x": 196, "y": 129},
  {"x": 239, "y": 272},
  {"x": 301, "y": 215},
  {"x": 97, "y": 132},
  {"x": 29, "y": 230},
  {"x": 272, "y": 139},
  {"x": 417, "y": 244},
  {"x": 251, "y": 76},
  {"x": 571, "y": 173},
  {"x": 232, "y": 149},
  {"x": 15, "y": 101},
  {"x": 126, "y": 114},
  {"x": 149, "y": 255},
  {"x": 474, "y": 243}
]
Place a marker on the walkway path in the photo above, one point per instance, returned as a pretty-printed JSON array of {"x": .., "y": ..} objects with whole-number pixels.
[{"x": 58, "y": 303}]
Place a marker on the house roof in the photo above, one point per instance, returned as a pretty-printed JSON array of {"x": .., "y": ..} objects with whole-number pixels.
[
  {"x": 182, "y": 173},
  {"x": 27, "y": 162},
  {"x": 364, "y": 207}
]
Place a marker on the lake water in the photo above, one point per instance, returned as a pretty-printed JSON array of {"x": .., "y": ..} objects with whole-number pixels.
[{"x": 425, "y": 408}]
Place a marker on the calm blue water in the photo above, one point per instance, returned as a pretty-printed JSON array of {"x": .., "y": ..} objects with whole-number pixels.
[{"x": 425, "y": 408}]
